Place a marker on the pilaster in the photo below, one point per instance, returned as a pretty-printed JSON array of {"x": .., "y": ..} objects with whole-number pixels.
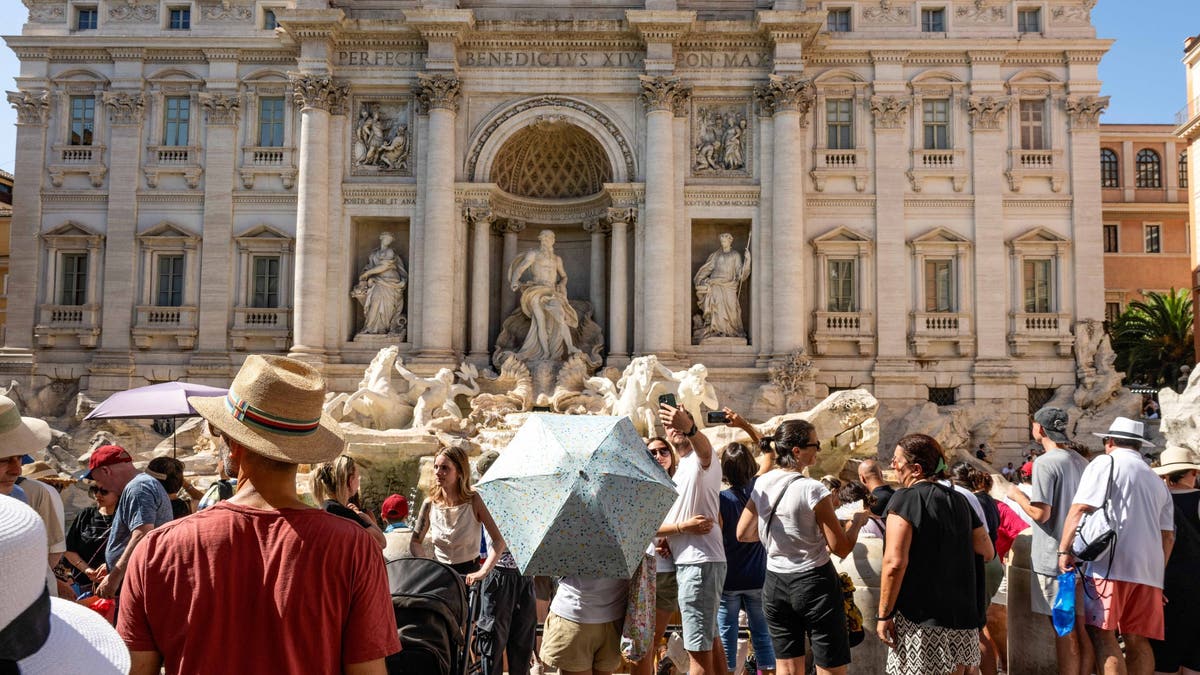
[
  {"x": 890, "y": 111},
  {"x": 991, "y": 259},
  {"x": 481, "y": 257},
  {"x": 762, "y": 281},
  {"x": 125, "y": 110},
  {"x": 618, "y": 327},
  {"x": 598, "y": 228},
  {"x": 1083, "y": 119},
  {"x": 33, "y": 111},
  {"x": 221, "y": 113}
]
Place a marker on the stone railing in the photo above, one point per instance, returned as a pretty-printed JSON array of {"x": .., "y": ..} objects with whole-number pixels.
[
  {"x": 269, "y": 323},
  {"x": 1028, "y": 328},
  {"x": 948, "y": 163},
  {"x": 57, "y": 321},
  {"x": 843, "y": 327},
  {"x": 1188, "y": 112},
  {"x": 1035, "y": 164},
  {"x": 78, "y": 154},
  {"x": 152, "y": 321},
  {"x": 948, "y": 327},
  {"x": 268, "y": 161},
  {"x": 77, "y": 159},
  {"x": 852, "y": 163}
]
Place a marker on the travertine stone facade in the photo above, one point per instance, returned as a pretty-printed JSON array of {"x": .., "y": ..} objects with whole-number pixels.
[
  {"x": 915, "y": 182},
  {"x": 1188, "y": 130}
]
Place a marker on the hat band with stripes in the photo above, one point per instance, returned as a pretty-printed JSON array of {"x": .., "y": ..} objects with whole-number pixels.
[{"x": 267, "y": 421}]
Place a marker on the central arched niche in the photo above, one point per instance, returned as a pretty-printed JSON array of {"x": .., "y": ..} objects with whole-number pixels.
[{"x": 552, "y": 159}]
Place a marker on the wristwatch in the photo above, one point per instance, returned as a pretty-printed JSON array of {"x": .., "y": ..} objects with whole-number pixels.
[{"x": 691, "y": 433}]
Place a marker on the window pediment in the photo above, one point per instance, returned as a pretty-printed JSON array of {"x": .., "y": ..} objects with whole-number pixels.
[
  {"x": 167, "y": 234},
  {"x": 72, "y": 231},
  {"x": 842, "y": 239},
  {"x": 1039, "y": 240}
]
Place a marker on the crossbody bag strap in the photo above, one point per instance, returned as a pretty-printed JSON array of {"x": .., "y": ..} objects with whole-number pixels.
[
  {"x": 778, "y": 499},
  {"x": 1108, "y": 489}
]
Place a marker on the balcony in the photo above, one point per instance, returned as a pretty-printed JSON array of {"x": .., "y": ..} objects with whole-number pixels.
[
  {"x": 1025, "y": 164},
  {"x": 843, "y": 327},
  {"x": 77, "y": 159},
  {"x": 948, "y": 327},
  {"x": 178, "y": 323},
  {"x": 268, "y": 161},
  {"x": 829, "y": 163},
  {"x": 273, "y": 323},
  {"x": 1188, "y": 112},
  {"x": 1030, "y": 328},
  {"x": 81, "y": 322},
  {"x": 947, "y": 163},
  {"x": 172, "y": 159}
]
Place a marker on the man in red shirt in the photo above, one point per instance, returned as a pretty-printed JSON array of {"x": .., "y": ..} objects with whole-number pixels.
[{"x": 286, "y": 588}]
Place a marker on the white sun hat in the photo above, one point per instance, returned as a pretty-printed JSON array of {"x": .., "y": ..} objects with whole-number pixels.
[
  {"x": 40, "y": 634},
  {"x": 1130, "y": 430}
]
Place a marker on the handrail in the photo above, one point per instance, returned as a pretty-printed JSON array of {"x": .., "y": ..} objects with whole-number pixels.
[{"x": 1189, "y": 111}]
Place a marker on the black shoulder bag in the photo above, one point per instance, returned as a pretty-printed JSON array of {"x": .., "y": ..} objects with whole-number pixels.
[{"x": 1095, "y": 535}]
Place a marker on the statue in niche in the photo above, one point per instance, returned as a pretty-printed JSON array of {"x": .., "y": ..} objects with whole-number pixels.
[
  {"x": 718, "y": 289},
  {"x": 380, "y": 291},
  {"x": 720, "y": 141},
  {"x": 380, "y": 142}
]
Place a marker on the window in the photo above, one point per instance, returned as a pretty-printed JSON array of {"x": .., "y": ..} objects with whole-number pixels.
[
  {"x": 936, "y": 116},
  {"x": 83, "y": 120},
  {"x": 1038, "y": 286},
  {"x": 1112, "y": 311},
  {"x": 939, "y": 286},
  {"x": 1183, "y": 169},
  {"x": 943, "y": 395},
  {"x": 86, "y": 18},
  {"x": 842, "y": 288},
  {"x": 269, "y": 22},
  {"x": 1029, "y": 20},
  {"x": 170, "y": 281},
  {"x": 1149, "y": 169},
  {"x": 933, "y": 20},
  {"x": 1033, "y": 125},
  {"x": 266, "y": 281},
  {"x": 1110, "y": 169},
  {"x": 839, "y": 124},
  {"x": 838, "y": 20},
  {"x": 72, "y": 286},
  {"x": 175, "y": 120},
  {"x": 179, "y": 18},
  {"x": 1038, "y": 397},
  {"x": 1153, "y": 238},
  {"x": 270, "y": 122},
  {"x": 1112, "y": 238}
]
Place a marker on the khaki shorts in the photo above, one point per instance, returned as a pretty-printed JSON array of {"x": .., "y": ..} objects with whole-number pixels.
[
  {"x": 666, "y": 592},
  {"x": 571, "y": 646}
]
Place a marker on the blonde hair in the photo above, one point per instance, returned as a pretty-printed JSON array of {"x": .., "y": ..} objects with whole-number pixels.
[
  {"x": 331, "y": 480},
  {"x": 463, "y": 466}
]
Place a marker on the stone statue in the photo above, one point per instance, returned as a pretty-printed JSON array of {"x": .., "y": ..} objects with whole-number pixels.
[
  {"x": 383, "y": 401},
  {"x": 544, "y": 300},
  {"x": 380, "y": 290},
  {"x": 394, "y": 153},
  {"x": 693, "y": 389},
  {"x": 718, "y": 289},
  {"x": 434, "y": 397},
  {"x": 373, "y": 148},
  {"x": 720, "y": 141},
  {"x": 635, "y": 394}
]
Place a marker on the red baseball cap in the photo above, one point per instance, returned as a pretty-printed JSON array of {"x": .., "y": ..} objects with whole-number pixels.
[
  {"x": 1027, "y": 469},
  {"x": 395, "y": 507},
  {"x": 106, "y": 455}
]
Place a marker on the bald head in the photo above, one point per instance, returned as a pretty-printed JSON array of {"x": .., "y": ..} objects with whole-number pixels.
[{"x": 870, "y": 474}]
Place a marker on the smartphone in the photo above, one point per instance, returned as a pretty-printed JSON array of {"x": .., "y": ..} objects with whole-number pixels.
[
  {"x": 716, "y": 417},
  {"x": 668, "y": 399}
]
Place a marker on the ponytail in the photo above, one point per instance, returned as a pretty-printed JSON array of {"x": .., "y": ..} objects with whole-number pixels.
[{"x": 791, "y": 434}]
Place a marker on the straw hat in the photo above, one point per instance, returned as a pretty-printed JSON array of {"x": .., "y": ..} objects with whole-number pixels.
[
  {"x": 44, "y": 634},
  {"x": 1175, "y": 459},
  {"x": 20, "y": 435},
  {"x": 1130, "y": 430},
  {"x": 38, "y": 471},
  {"x": 275, "y": 408}
]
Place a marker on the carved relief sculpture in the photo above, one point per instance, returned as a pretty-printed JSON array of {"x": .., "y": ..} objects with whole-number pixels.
[
  {"x": 130, "y": 10},
  {"x": 720, "y": 140},
  {"x": 314, "y": 90},
  {"x": 381, "y": 138},
  {"x": 987, "y": 111},
  {"x": 226, "y": 11},
  {"x": 718, "y": 291},
  {"x": 889, "y": 111},
  {"x": 980, "y": 13},
  {"x": 124, "y": 107},
  {"x": 886, "y": 12},
  {"x": 46, "y": 12},
  {"x": 220, "y": 108},
  {"x": 1084, "y": 111},
  {"x": 380, "y": 291},
  {"x": 1077, "y": 15},
  {"x": 32, "y": 106}
]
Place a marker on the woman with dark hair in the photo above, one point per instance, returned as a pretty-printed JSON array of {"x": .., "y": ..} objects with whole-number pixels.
[
  {"x": 966, "y": 476},
  {"x": 169, "y": 472},
  {"x": 793, "y": 516},
  {"x": 1179, "y": 651},
  {"x": 933, "y": 538}
]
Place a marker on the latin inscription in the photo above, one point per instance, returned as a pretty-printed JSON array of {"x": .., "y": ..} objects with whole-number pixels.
[
  {"x": 536, "y": 59},
  {"x": 724, "y": 60},
  {"x": 380, "y": 58}
]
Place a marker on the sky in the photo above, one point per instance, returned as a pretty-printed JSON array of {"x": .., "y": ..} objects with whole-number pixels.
[{"x": 1143, "y": 72}]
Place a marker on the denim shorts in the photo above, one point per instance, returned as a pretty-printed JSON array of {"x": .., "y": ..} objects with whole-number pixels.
[{"x": 700, "y": 587}]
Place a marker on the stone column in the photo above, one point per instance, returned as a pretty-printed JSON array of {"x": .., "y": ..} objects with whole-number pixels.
[
  {"x": 508, "y": 299},
  {"x": 217, "y": 286},
  {"x": 792, "y": 98},
  {"x": 891, "y": 162},
  {"x": 598, "y": 228},
  {"x": 481, "y": 220},
  {"x": 316, "y": 94},
  {"x": 659, "y": 95},
  {"x": 1083, "y": 113},
  {"x": 761, "y": 282},
  {"x": 440, "y": 95},
  {"x": 618, "y": 290},
  {"x": 988, "y": 117},
  {"x": 33, "y": 109},
  {"x": 120, "y": 248}
]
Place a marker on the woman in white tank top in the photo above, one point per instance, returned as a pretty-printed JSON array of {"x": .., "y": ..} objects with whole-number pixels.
[{"x": 454, "y": 516}]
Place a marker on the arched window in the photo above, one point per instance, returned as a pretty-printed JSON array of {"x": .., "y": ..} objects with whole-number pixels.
[
  {"x": 1110, "y": 169},
  {"x": 1149, "y": 169},
  {"x": 1183, "y": 169}
]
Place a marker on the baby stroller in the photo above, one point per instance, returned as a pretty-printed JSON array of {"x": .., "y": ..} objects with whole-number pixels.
[{"x": 433, "y": 618}]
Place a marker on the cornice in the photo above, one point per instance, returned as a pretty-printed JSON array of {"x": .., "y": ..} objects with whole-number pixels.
[
  {"x": 177, "y": 198},
  {"x": 936, "y": 203},
  {"x": 441, "y": 24},
  {"x": 660, "y": 26},
  {"x": 242, "y": 197},
  {"x": 74, "y": 196},
  {"x": 1064, "y": 203},
  {"x": 1179, "y": 208},
  {"x": 312, "y": 24},
  {"x": 840, "y": 202}
]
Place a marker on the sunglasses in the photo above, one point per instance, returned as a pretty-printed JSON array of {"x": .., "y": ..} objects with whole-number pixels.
[
  {"x": 94, "y": 491},
  {"x": 661, "y": 452}
]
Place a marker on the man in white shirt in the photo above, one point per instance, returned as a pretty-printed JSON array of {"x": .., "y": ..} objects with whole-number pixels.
[
  {"x": 1123, "y": 586},
  {"x": 699, "y": 557}
]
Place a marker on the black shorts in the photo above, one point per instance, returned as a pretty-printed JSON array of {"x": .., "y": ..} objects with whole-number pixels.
[{"x": 807, "y": 603}]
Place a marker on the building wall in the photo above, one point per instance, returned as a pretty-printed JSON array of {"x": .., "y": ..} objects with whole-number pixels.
[{"x": 1188, "y": 131}]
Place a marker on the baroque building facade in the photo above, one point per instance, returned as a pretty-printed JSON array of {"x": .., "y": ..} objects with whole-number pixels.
[{"x": 910, "y": 186}]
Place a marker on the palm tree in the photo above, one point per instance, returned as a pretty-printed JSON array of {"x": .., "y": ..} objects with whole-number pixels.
[{"x": 1153, "y": 337}]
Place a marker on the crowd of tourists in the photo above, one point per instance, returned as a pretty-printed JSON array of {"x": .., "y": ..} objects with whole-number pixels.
[{"x": 1114, "y": 552}]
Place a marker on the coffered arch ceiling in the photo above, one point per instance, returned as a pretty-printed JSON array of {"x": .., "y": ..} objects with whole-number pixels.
[{"x": 552, "y": 159}]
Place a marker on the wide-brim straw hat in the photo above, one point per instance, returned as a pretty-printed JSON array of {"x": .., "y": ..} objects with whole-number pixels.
[
  {"x": 1175, "y": 459},
  {"x": 20, "y": 435},
  {"x": 79, "y": 640},
  {"x": 38, "y": 471},
  {"x": 1130, "y": 430},
  {"x": 275, "y": 408}
]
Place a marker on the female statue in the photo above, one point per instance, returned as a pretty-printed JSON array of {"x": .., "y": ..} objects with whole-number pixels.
[{"x": 380, "y": 289}]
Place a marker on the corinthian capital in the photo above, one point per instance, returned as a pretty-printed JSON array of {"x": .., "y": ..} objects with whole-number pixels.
[
  {"x": 438, "y": 91},
  {"x": 792, "y": 94},
  {"x": 889, "y": 111},
  {"x": 124, "y": 107},
  {"x": 314, "y": 90},
  {"x": 987, "y": 111},
  {"x": 33, "y": 107},
  {"x": 220, "y": 108},
  {"x": 1084, "y": 111},
  {"x": 621, "y": 214},
  {"x": 663, "y": 93},
  {"x": 480, "y": 216}
]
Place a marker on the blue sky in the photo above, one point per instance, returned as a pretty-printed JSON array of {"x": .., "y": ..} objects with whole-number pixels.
[{"x": 1142, "y": 73}]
